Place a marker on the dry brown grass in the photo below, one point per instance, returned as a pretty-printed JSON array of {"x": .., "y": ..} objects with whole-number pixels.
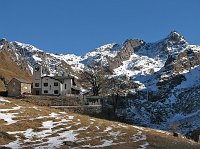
[
  {"x": 91, "y": 135},
  {"x": 61, "y": 127},
  {"x": 22, "y": 125},
  {"x": 169, "y": 141},
  {"x": 2, "y": 122},
  {"x": 9, "y": 69},
  {"x": 7, "y": 106},
  {"x": 2, "y": 86},
  {"x": 6, "y": 138}
]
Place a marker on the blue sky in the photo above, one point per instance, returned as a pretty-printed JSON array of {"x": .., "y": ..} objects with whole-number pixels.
[{"x": 78, "y": 26}]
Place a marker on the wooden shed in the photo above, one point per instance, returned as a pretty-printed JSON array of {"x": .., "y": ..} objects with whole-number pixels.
[{"x": 17, "y": 87}]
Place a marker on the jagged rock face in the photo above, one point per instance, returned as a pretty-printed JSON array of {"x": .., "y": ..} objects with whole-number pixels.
[
  {"x": 176, "y": 37},
  {"x": 183, "y": 61},
  {"x": 124, "y": 54},
  {"x": 174, "y": 43},
  {"x": 186, "y": 101},
  {"x": 5, "y": 44}
]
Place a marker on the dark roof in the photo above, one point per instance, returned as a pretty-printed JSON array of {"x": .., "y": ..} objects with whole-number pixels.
[
  {"x": 22, "y": 80},
  {"x": 76, "y": 88},
  {"x": 59, "y": 78},
  {"x": 94, "y": 97}
]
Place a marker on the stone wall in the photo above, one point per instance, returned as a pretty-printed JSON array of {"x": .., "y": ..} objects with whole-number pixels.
[{"x": 14, "y": 88}]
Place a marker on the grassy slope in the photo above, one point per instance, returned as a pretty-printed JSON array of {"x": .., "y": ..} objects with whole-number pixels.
[
  {"x": 9, "y": 69},
  {"x": 30, "y": 131},
  {"x": 2, "y": 86}
]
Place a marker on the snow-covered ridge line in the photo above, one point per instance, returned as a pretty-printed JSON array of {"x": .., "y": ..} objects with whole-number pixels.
[
  {"x": 149, "y": 58},
  {"x": 29, "y": 47}
]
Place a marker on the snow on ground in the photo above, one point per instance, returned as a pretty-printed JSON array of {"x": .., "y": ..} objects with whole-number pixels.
[
  {"x": 161, "y": 131},
  {"x": 139, "y": 137},
  {"x": 120, "y": 125},
  {"x": 108, "y": 129},
  {"x": 192, "y": 78},
  {"x": 14, "y": 144},
  {"x": 53, "y": 133},
  {"x": 139, "y": 65},
  {"x": 101, "y": 54},
  {"x": 53, "y": 114},
  {"x": 105, "y": 50},
  {"x": 71, "y": 117},
  {"x": 139, "y": 128},
  {"x": 27, "y": 46},
  {"x": 70, "y": 59},
  {"x": 4, "y": 100},
  {"x": 46, "y": 132},
  {"x": 12, "y": 109},
  {"x": 144, "y": 146},
  {"x": 36, "y": 58},
  {"x": 114, "y": 134},
  {"x": 7, "y": 115}
]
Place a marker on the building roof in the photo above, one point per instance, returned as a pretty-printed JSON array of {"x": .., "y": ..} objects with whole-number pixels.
[
  {"x": 59, "y": 78},
  {"x": 22, "y": 80},
  {"x": 76, "y": 88}
]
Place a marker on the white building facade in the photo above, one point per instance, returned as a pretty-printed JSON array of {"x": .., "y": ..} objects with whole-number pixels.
[{"x": 51, "y": 85}]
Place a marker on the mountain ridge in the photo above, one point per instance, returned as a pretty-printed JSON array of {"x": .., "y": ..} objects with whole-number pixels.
[{"x": 159, "y": 77}]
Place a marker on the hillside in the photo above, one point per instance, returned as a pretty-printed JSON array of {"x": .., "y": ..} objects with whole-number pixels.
[
  {"x": 25, "y": 125},
  {"x": 8, "y": 67}
]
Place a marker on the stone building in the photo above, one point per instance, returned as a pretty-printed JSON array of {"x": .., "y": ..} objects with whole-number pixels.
[{"x": 18, "y": 87}]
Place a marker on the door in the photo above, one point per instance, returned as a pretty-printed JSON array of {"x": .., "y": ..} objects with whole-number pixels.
[{"x": 37, "y": 92}]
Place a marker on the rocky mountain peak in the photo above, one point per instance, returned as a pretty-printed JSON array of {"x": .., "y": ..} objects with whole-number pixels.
[
  {"x": 105, "y": 47},
  {"x": 132, "y": 45},
  {"x": 134, "y": 42},
  {"x": 3, "y": 41},
  {"x": 26, "y": 47},
  {"x": 5, "y": 45},
  {"x": 176, "y": 37}
]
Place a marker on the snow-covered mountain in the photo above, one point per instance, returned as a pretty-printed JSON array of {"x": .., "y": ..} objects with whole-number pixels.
[
  {"x": 73, "y": 62},
  {"x": 165, "y": 75}
]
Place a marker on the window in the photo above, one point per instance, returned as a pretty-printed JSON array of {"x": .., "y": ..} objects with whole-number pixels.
[
  {"x": 37, "y": 68},
  {"x": 37, "y": 84},
  {"x": 55, "y": 83},
  {"x": 45, "y": 92},
  {"x": 55, "y": 91},
  {"x": 45, "y": 84},
  {"x": 65, "y": 86}
]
